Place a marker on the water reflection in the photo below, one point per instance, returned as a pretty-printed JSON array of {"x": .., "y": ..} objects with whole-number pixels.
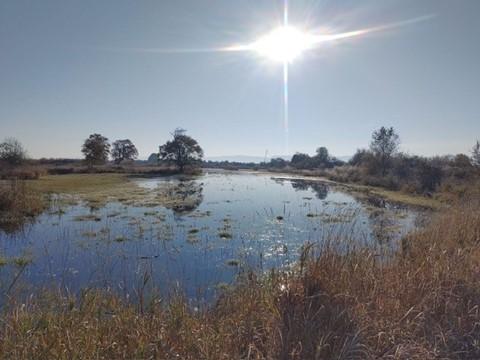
[
  {"x": 183, "y": 196},
  {"x": 319, "y": 188},
  {"x": 193, "y": 233}
]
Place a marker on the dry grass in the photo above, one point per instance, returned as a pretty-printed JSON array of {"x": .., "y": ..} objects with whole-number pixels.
[
  {"x": 18, "y": 203},
  {"x": 423, "y": 303}
]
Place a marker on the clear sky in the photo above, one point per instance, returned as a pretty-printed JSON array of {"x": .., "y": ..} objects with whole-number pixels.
[{"x": 67, "y": 69}]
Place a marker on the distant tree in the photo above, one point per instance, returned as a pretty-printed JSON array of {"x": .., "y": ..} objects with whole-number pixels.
[
  {"x": 96, "y": 149},
  {"x": 462, "y": 161},
  {"x": 278, "y": 163},
  {"x": 182, "y": 150},
  {"x": 123, "y": 150},
  {"x": 322, "y": 154},
  {"x": 322, "y": 158},
  {"x": 301, "y": 161},
  {"x": 359, "y": 157},
  {"x": 429, "y": 176},
  {"x": 12, "y": 152},
  {"x": 476, "y": 154},
  {"x": 384, "y": 145}
]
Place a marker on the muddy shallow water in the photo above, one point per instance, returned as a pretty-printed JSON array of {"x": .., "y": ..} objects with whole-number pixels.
[{"x": 203, "y": 232}]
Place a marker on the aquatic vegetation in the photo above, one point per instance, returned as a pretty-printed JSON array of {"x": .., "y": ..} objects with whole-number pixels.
[
  {"x": 192, "y": 239},
  {"x": 114, "y": 241},
  {"x": 418, "y": 305},
  {"x": 233, "y": 262},
  {"x": 89, "y": 234},
  {"x": 22, "y": 261},
  {"x": 225, "y": 235},
  {"x": 88, "y": 217}
]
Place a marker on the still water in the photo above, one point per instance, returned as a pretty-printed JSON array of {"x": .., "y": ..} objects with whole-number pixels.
[{"x": 212, "y": 227}]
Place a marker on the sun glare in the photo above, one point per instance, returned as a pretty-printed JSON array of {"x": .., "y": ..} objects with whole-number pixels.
[{"x": 284, "y": 44}]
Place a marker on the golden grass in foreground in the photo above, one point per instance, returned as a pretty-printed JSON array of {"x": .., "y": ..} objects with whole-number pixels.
[{"x": 422, "y": 304}]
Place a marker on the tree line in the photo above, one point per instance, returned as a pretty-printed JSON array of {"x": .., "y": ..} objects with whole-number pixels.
[
  {"x": 181, "y": 151},
  {"x": 383, "y": 164}
]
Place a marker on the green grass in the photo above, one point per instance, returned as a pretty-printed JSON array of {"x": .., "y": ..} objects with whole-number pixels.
[{"x": 75, "y": 183}]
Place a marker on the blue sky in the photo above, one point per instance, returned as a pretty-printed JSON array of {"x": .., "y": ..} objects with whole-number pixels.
[{"x": 66, "y": 71}]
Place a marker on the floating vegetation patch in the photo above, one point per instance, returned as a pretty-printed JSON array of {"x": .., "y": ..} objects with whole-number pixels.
[
  {"x": 225, "y": 235},
  {"x": 233, "y": 262},
  {"x": 89, "y": 217},
  {"x": 22, "y": 261},
  {"x": 89, "y": 234},
  {"x": 114, "y": 214},
  {"x": 150, "y": 213},
  {"x": 120, "y": 239},
  {"x": 192, "y": 239}
]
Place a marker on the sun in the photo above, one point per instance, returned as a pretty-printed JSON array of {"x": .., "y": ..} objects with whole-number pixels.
[{"x": 283, "y": 44}]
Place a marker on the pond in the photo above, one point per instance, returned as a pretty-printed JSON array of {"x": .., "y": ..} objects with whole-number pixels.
[{"x": 191, "y": 234}]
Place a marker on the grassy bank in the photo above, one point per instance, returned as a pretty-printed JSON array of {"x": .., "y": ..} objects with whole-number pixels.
[
  {"x": 421, "y": 304},
  {"x": 400, "y": 197},
  {"x": 77, "y": 183}
]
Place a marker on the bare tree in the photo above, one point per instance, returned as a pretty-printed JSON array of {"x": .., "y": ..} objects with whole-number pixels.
[
  {"x": 476, "y": 154},
  {"x": 182, "y": 150},
  {"x": 384, "y": 145},
  {"x": 96, "y": 149},
  {"x": 123, "y": 150},
  {"x": 12, "y": 152}
]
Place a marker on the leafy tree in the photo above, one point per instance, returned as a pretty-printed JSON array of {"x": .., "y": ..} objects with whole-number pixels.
[
  {"x": 123, "y": 150},
  {"x": 322, "y": 154},
  {"x": 12, "y": 152},
  {"x": 360, "y": 157},
  {"x": 429, "y": 176},
  {"x": 301, "y": 161},
  {"x": 384, "y": 145},
  {"x": 96, "y": 149},
  {"x": 278, "y": 163},
  {"x": 462, "y": 161},
  {"x": 322, "y": 158},
  {"x": 182, "y": 150},
  {"x": 476, "y": 154}
]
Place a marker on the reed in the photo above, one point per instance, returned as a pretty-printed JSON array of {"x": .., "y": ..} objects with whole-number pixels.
[{"x": 422, "y": 302}]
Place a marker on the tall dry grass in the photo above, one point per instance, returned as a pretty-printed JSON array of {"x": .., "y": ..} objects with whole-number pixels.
[
  {"x": 18, "y": 203},
  {"x": 422, "y": 303}
]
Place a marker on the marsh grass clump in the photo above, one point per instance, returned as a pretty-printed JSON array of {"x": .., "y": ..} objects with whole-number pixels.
[
  {"x": 194, "y": 231},
  {"x": 88, "y": 217},
  {"x": 18, "y": 204},
  {"x": 233, "y": 262},
  {"x": 21, "y": 261},
  {"x": 225, "y": 235}
]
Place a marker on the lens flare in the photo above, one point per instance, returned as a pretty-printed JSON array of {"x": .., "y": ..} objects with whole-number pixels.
[{"x": 283, "y": 44}]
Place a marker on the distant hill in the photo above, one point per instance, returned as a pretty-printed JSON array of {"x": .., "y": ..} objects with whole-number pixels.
[
  {"x": 238, "y": 158},
  {"x": 256, "y": 159}
]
